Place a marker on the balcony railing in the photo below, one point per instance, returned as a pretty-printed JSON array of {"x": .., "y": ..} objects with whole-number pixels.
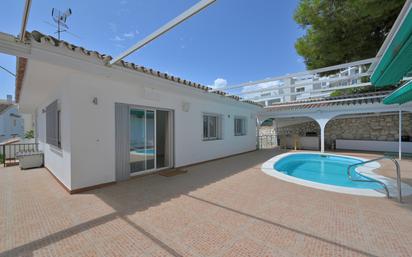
[
  {"x": 303, "y": 85},
  {"x": 8, "y": 152}
]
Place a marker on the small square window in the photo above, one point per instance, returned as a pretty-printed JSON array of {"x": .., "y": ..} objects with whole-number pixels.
[
  {"x": 212, "y": 127},
  {"x": 240, "y": 126}
]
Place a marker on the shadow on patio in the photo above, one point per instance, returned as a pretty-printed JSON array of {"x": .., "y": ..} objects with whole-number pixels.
[{"x": 207, "y": 212}]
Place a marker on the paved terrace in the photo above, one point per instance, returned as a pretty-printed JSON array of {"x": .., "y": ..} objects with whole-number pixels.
[{"x": 221, "y": 208}]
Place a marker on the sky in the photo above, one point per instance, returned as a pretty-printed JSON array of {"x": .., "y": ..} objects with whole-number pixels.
[{"x": 230, "y": 42}]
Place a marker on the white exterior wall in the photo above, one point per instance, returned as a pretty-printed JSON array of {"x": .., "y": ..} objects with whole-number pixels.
[
  {"x": 58, "y": 161},
  {"x": 27, "y": 121},
  {"x": 93, "y": 127},
  {"x": 7, "y": 128},
  {"x": 88, "y": 136}
]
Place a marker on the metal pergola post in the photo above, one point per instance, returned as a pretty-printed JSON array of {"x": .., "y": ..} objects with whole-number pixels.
[{"x": 400, "y": 134}]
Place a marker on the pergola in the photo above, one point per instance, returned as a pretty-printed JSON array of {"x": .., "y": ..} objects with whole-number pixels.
[
  {"x": 391, "y": 66},
  {"x": 324, "y": 110}
]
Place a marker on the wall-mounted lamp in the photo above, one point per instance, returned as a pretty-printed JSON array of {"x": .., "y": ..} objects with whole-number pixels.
[
  {"x": 43, "y": 110},
  {"x": 185, "y": 106},
  {"x": 95, "y": 101}
]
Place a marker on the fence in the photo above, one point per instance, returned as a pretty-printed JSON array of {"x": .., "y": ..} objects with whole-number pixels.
[{"x": 8, "y": 152}]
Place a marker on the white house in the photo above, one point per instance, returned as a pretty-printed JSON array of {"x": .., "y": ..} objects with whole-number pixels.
[
  {"x": 99, "y": 124},
  {"x": 11, "y": 121}
]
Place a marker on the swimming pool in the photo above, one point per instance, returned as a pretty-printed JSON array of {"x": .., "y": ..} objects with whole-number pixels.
[
  {"x": 143, "y": 151},
  {"x": 325, "y": 169},
  {"x": 329, "y": 172}
]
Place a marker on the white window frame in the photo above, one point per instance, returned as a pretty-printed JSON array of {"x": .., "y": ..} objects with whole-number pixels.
[
  {"x": 206, "y": 131},
  {"x": 243, "y": 122}
]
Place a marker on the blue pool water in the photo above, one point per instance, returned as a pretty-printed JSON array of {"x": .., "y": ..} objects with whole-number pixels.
[
  {"x": 144, "y": 151},
  {"x": 324, "y": 169}
]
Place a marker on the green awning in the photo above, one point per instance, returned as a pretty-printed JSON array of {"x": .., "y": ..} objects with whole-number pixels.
[
  {"x": 400, "y": 95},
  {"x": 397, "y": 59}
]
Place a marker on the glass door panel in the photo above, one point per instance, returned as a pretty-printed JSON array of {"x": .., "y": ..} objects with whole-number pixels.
[
  {"x": 150, "y": 140},
  {"x": 137, "y": 140},
  {"x": 162, "y": 139}
]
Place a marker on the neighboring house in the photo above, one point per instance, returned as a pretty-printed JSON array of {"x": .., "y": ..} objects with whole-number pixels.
[
  {"x": 11, "y": 121},
  {"x": 309, "y": 84},
  {"x": 99, "y": 124}
]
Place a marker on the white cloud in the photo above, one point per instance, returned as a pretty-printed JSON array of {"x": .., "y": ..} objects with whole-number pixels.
[
  {"x": 219, "y": 83},
  {"x": 117, "y": 38},
  {"x": 129, "y": 34}
]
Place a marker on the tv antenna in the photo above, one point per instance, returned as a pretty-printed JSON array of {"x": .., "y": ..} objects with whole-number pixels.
[{"x": 60, "y": 18}]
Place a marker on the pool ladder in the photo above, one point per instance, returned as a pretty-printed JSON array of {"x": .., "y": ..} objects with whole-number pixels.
[{"x": 398, "y": 175}]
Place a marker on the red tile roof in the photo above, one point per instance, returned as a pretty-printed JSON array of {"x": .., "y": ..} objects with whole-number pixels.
[
  {"x": 39, "y": 38},
  {"x": 353, "y": 99}
]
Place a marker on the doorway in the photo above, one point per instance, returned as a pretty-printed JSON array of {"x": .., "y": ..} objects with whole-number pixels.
[{"x": 151, "y": 141}]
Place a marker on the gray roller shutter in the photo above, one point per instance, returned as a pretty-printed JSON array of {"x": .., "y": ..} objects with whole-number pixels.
[
  {"x": 122, "y": 142},
  {"x": 52, "y": 124}
]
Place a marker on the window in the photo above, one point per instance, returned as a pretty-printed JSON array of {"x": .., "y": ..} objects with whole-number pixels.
[
  {"x": 212, "y": 127},
  {"x": 240, "y": 126},
  {"x": 300, "y": 89},
  {"x": 53, "y": 124},
  {"x": 274, "y": 101}
]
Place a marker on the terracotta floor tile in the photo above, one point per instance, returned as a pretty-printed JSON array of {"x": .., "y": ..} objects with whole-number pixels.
[{"x": 227, "y": 207}]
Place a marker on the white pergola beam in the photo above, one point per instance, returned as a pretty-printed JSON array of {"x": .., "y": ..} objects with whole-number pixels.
[
  {"x": 26, "y": 13},
  {"x": 337, "y": 79},
  {"x": 317, "y": 91},
  {"x": 165, "y": 28},
  {"x": 299, "y": 74}
]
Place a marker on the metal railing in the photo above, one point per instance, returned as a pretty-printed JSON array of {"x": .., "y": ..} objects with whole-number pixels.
[
  {"x": 303, "y": 85},
  {"x": 398, "y": 175},
  {"x": 9, "y": 152}
]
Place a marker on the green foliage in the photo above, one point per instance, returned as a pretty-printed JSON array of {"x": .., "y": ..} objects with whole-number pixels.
[
  {"x": 340, "y": 31},
  {"x": 359, "y": 90},
  {"x": 1, "y": 158},
  {"x": 29, "y": 134}
]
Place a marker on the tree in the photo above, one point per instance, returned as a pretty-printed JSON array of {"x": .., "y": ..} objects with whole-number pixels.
[{"x": 341, "y": 31}]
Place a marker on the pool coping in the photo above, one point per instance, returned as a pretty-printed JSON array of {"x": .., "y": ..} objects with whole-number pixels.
[{"x": 268, "y": 168}]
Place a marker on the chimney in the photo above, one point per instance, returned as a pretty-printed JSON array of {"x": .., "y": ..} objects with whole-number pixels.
[{"x": 9, "y": 98}]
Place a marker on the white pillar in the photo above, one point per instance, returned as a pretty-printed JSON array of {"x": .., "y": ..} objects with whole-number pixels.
[
  {"x": 322, "y": 139},
  {"x": 322, "y": 121},
  {"x": 400, "y": 134}
]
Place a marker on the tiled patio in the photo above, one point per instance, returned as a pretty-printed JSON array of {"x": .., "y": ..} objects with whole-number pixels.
[{"x": 222, "y": 208}]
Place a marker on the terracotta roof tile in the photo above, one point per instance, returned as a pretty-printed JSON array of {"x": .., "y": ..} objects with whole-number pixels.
[
  {"x": 40, "y": 38},
  {"x": 363, "y": 98}
]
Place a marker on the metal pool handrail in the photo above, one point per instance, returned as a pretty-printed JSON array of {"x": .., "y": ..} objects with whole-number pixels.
[{"x": 398, "y": 175}]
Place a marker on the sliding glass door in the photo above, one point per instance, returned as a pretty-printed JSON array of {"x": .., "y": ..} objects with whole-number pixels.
[{"x": 150, "y": 139}]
